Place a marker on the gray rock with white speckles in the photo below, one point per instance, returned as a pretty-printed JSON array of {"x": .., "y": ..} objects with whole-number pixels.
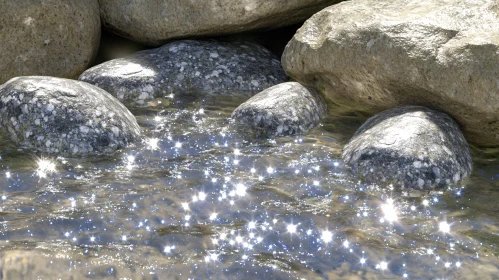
[
  {"x": 188, "y": 67},
  {"x": 410, "y": 147},
  {"x": 284, "y": 109},
  {"x": 64, "y": 117}
]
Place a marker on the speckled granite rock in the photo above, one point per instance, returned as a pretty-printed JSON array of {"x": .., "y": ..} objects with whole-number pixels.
[
  {"x": 409, "y": 146},
  {"x": 50, "y": 37},
  {"x": 154, "y": 22},
  {"x": 185, "y": 67},
  {"x": 284, "y": 109},
  {"x": 64, "y": 117},
  {"x": 373, "y": 55}
]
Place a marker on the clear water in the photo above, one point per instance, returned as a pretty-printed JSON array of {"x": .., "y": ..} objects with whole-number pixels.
[{"x": 196, "y": 199}]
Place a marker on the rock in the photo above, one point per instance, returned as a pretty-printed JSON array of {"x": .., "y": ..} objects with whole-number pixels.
[
  {"x": 409, "y": 146},
  {"x": 284, "y": 109},
  {"x": 371, "y": 55},
  {"x": 50, "y": 37},
  {"x": 64, "y": 117},
  {"x": 154, "y": 22},
  {"x": 185, "y": 67}
]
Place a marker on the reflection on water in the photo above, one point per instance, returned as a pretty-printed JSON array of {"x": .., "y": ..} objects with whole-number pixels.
[{"x": 195, "y": 199}]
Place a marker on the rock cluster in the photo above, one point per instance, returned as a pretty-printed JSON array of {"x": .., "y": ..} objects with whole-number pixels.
[{"x": 372, "y": 55}]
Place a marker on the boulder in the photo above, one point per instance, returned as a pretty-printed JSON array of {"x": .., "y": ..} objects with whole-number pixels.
[
  {"x": 50, "y": 37},
  {"x": 188, "y": 67},
  {"x": 64, "y": 117},
  {"x": 284, "y": 109},
  {"x": 409, "y": 147},
  {"x": 153, "y": 22},
  {"x": 372, "y": 55}
]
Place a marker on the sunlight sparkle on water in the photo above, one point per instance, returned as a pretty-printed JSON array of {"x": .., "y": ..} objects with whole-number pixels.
[
  {"x": 382, "y": 265},
  {"x": 202, "y": 196},
  {"x": 251, "y": 225},
  {"x": 390, "y": 211},
  {"x": 45, "y": 166},
  {"x": 240, "y": 190},
  {"x": 327, "y": 236},
  {"x": 168, "y": 249},
  {"x": 152, "y": 144},
  {"x": 291, "y": 228},
  {"x": 444, "y": 227}
]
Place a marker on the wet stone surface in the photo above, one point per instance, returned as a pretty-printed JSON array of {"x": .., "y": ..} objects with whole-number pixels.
[
  {"x": 411, "y": 147},
  {"x": 188, "y": 67},
  {"x": 284, "y": 109},
  {"x": 64, "y": 117}
]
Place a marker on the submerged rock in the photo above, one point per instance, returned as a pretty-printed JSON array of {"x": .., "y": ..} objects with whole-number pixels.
[
  {"x": 372, "y": 55},
  {"x": 284, "y": 109},
  {"x": 64, "y": 117},
  {"x": 154, "y": 22},
  {"x": 188, "y": 67},
  {"x": 50, "y": 37},
  {"x": 411, "y": 147}
]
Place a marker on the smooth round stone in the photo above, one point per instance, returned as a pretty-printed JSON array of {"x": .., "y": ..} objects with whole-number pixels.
[
  {"x": 188, "y": 67},
  {"x": 154, "y": 22},
  {"x": 284, "y": 109},
  {"x": 50, "y": 37},
  {"x": 372, "y": 55},
  {"x": 64, "y": 117},
  {"x": 409, "y": 147}
]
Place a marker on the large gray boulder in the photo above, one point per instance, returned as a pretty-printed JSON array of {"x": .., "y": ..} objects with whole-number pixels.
[
  {"x": 153, "y": 22},
  {"x": 284, "y": 109},
  {"x": 371, "y": 55},
  {"x": 64, "y": 117},
  {"x": 50, "y": 37},
  {"x": 410, "y": 147},
  {"x": 188, "y": 67}
]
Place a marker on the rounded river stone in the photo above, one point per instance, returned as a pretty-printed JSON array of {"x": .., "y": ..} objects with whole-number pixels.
[
  {"x": 409, "y": 147},
  {"x": 188, "y": 67},
  {"x": 284, "y": 109},
  {"x": 64, "y": 117}
]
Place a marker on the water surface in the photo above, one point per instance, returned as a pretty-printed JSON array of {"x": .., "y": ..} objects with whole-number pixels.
[{"x": 198, "y": 199}]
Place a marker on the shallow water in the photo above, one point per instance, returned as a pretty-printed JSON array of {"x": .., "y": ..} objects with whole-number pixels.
[{"x": 197, "y": 199}]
